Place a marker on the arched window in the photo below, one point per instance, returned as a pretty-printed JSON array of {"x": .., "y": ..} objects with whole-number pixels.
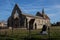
[{"x": 16, "y": 15}]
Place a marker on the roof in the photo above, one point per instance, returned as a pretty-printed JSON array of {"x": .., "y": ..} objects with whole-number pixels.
[
  {"x": 38, "y": 15},
  {"x": 28, "y": 15},
  {"x": 47, "y": 17},
  {"x": 42, "y": 15}
]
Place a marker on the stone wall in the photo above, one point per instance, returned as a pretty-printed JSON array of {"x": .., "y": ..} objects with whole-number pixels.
[{"x": 39, "y": 22}]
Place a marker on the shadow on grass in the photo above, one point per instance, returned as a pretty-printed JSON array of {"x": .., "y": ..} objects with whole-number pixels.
[
  {"x": 34, "y": 39},
  {"x": 2, "y": 38},
  {"x": 42, "y": 39},
  {"x": 5, "y": 37}
]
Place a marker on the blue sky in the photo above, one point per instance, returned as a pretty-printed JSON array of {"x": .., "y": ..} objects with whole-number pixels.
[{"x": 51, "y": 7}]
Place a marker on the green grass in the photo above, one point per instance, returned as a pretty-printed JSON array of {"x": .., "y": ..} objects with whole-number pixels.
[{"x": 21, "y": 34}]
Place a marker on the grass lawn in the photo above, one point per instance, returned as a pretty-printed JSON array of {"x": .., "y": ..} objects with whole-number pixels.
[{"x": 22, "y": 34}]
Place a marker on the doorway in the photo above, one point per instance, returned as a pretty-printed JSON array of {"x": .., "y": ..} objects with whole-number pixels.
[
  {"x": 31, "y": 24},
  {"x": 16, "y": 23}
]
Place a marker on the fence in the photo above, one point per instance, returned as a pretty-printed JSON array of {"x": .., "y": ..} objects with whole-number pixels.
[{"x": 23, "y": 34}]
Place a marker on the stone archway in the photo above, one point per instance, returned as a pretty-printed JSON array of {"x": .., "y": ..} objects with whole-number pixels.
[
  {"x": 31, "y": 24},
  {"x": 16, "y": 22}
]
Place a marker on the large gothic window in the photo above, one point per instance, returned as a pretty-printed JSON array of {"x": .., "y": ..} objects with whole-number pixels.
[
  {"x": 16, "y": 19},
  {"x": 16, "y": 15}
]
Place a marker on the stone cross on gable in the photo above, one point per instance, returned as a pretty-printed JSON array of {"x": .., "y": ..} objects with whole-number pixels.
[{"x": 16, "y": 15}]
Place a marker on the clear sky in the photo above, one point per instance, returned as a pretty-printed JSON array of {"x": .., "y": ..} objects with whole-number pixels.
[{"x": 51, "y": 7}]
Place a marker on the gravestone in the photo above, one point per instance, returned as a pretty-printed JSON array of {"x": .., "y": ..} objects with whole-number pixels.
[{"x": 44, "y": 30}]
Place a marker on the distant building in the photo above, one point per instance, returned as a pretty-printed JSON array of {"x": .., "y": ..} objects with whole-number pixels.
[
  {"x": 20, "y": 20},
  {"x": 3, "y": 24},
  {"x": 58, "y": 23}
]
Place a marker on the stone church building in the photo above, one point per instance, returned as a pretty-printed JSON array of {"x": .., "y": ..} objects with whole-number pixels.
[{"x": 20, "y": 20}]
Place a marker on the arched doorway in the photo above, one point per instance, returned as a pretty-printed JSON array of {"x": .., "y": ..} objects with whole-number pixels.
[
  {"x": 16, "y": 22},
  {"x": 31, "y": 24}
]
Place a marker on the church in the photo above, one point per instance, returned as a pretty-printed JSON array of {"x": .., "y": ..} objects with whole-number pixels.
[{"x": 20, "y": 20}]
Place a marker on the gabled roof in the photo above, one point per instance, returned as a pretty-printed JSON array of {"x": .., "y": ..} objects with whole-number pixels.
[
  {"x": 16, "y": 8},
  {"x": 42, "y": 15},
  {"x": 46, "y": 17},
  {"x": 38, "y": 14}
]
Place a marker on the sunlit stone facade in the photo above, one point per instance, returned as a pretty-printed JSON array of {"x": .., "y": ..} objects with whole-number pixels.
[{"x": 20, "y": 20}]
